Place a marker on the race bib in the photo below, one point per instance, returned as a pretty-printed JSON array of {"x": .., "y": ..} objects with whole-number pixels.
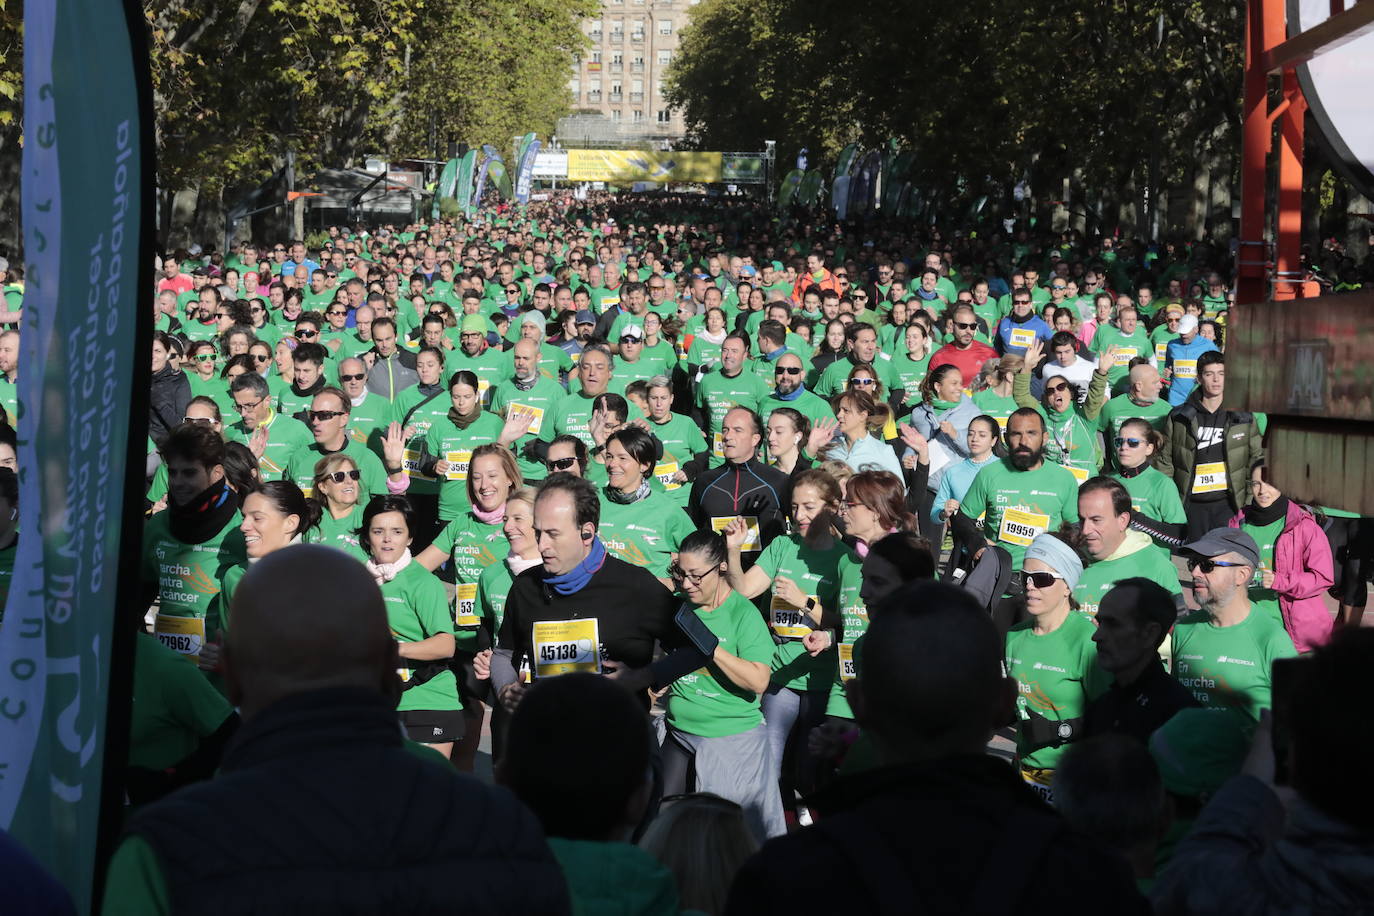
[
  {"x": 847, "y": 672},
  {"x": 1210, "y": 478},
  {"x": 1079, "y": 474},
  {"x": 1161, "y": 351},
  {"x": 1021, "y": 526},
  {"x": 183, "y": 635},
  {"x": 1042, "y": 781},
  {"x": 788, "y": 621},
  {"x": 1021, "y": 337},
  {"x": 665, "y": 473},
  {"x": 529, "y": 410},
  {"x": 1185, "y": 368},
  {"x": 716, "y": 449},
  {"x": 565, "y": 646},
  {"x": 1002, "y": 421},
  {"x": 1125, "y": 354},
  {"x": 465, "y": 614},
  {"x": 458, "y": 464},
  {"x": 410, "y": 462},
  {"x": 752, "y": 539}
]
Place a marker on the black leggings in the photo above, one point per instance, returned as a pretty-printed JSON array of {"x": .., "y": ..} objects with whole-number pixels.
[{"x": 1352, "y": 553}]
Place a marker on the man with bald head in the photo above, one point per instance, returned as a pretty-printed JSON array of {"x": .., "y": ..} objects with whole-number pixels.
[
  {"x": 1141, "y": 399},
  {"x": 529, "y": 392},
  {"x": 321, "y": 805},
  {"x": 930, "y": 692},
  {"x": 369, "y": 412}
]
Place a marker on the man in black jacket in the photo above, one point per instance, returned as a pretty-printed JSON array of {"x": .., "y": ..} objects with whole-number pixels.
[
  {"x": 320, "y": 806},
  {"x": 742, "y": 486},
  {"x": 940, "y": 826}
]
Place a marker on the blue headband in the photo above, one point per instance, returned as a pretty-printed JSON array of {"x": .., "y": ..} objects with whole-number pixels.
[{"x": 1058, "y": 556}]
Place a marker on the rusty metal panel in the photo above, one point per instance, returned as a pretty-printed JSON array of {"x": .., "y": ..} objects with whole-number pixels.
[{"x": 1326, "y": 462}]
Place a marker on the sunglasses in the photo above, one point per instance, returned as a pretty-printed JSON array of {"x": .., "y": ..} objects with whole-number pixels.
[
  {"x": 257, "y": 310},
  {"x": 340, "y": 476},
  {"x": 260, "y": 358},
  {"x": 199, "y": 421},
  {"x": 323, "y": 415},
  {"x": 1020, "y": 302},
  {"x": 561, "y": 464},
  {"x": 966, "y": 326},
  {"x": 353, "y": 378},
  {"x": 512, "y": 291},
  {"x": 1132, "y": 441},
  {"x": 1042, "y": 580},
  {"x": 307, "y": 333},
  {"x": 205, "y": 357},
  {"x": 1055, "y": 389},
  {"x": 787, "y": 370},
  {"x": 336, "y": 313},
  {"x": 863, "y": 381},
  {"x": 1208, "y": 566},
  {"x": 275, "y": 250},
  {"x": 861, "y": 297},
  {"x": 630, "y": 339}
]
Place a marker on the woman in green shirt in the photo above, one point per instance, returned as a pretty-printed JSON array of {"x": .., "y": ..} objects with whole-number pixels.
[
  {"x": 452, "y": 439},
  {"x": 1154, "y": 494},
  {"x": 417, "y": 611},
  {"x": 910, "y": 366},
  {"x": 704, "y": 353},
  {"x": 640, "y": 523},
  {"x": 337, "y": 489},
  {"x": 714, "y": 724},
  {"x": 683, "y": 441}
]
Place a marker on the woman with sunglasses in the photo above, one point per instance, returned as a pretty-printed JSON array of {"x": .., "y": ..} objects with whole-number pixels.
[
  {"x": 567, "y": 453},
  {"x": 715, "y": 737},
  {"x": 205, "y": 380},
  {"x": 258, "y": 321},
  {"x": 417, "y": 611},
  {"x": 338, "y": 488},
  {"x": 1071, "y": 438},
  {"x": 640, "y": 523},
  {"x": 801, "y": 570},
  {"x": 1154, "y": 495},
  {"x": 684, "y": 445},
  {"x": 1295, "y": 568},
  {"x": 1053, "y": 659}
]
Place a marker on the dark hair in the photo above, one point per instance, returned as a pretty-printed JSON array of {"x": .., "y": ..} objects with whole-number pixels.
[
  {"x": 885, "y": 496},
  {"x": 1121, "y": 497},
  {"x": 852, "y": 332},
  {"x": 1151, "y": 435},
  {"x": 878, "y": 411},
  {"x": 309, "y": 353},
  {"x": 241, "y": 470},
  {"x": 379, "y": 505},
  {"x": 706, "y": 542},
  {"x": 998, "y": 448},
  {"x": 243, "y": 359},
  {"x": 288, "y": 499},
  {"x": 640, "y": 444},
  {"x": 1151, "y": 603},
  {"x": 742, "y": 337},
  {"x": 603, "y": 738},
  {"x": 1028, "y": 412},
  {"x": 772, "y": 329},
  {"x": 1210, "y": 358},
  {"x": 612, "y": 403},
  {"x": 907, "y": 552},
  {"x": 798, "y": 419},
  {"x": 824, "y": 346},
  {"x": 586, "y": 501},
  {"x": 934, "y": 377},
  {"x": 1109, "y": 788},
  {"x": 463, "y": 376},
  {"x": 9, "y": 488},
  {"x": 579, "y": 449},
  {"x": 206, "y": 401},
  {"x": 1063, "y": 339},
  {"x": 193, "y": 442}
]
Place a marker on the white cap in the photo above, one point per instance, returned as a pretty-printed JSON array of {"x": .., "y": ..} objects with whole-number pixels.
[
  {"x": 632, "y": 330},
  {"x": 194, "y": 251},
  {"x": 1187, "y": 324}
]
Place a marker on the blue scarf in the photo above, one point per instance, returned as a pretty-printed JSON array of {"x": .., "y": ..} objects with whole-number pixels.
[
  {"x": 790, "y": 397},
  {"x": 773, "y": 355},
  {"x": 576, "y": 579}
]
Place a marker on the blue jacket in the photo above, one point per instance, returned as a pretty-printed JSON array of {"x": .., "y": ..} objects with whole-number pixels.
[
  {"x": 954, "y": 483},
  {"x": 926, "y": 421},
  {"x": 1179, "y": 356},
  {"x": 1008, "y": 324}
]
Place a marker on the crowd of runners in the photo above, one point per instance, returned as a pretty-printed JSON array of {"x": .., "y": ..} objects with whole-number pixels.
[{"x": 655, "y": 492}]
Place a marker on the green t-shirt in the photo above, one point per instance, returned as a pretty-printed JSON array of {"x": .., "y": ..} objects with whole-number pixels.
[
  {"x": 1056, "y": 675},
  {"x": 493, "y": 586},
  {"x": 9, "y": 401},
  {"x": 540, "y": 401},
  {"x": 682, "y": 441},
  {"x": 1137, "y": 556},
  {"x": 834, "y": 379},
  {"x": 1136, "y": 344},
  {"x": 816, "y": 572},
  {"x": 1160, "y": 337},
  {"x": 1265, "y": 599},
  {"x": 1121, "y": 408},
  {"x": 718, "y": 394},
  {"x": 1020, "y": 505},
  {"x": 367, "y": 422},
  {"x": 300, "y": 467},
  {"x": 446, "y": 442},
  {"x": 416, "y": 609},
  {"x": 174, "y": 706},
  {"x": 706, "y": 702},
  {"x": 188, "y": 576},
  {"x": 489, "y": 366},
  {"x": 217, "y": 390},
  {"x": 285, "y": 436},
  {"x": 644, "y": 533},
  {"x": 908, "y": 373},
  {"x": 474, "y": 546},
  {"x": 573, "y": 416},
  {"x": 1230, "y": 666},
  {"x": 418, "y": 411},
  {"x": 854, "y": 624},
  {"x": 808, "y": 404},
  {"x": 1071, "y": 440},
  {"x": 998, "y": 407},
  {"x": 1154, "y": 494},
  {"x": 340, "y": 533},
  {"x": 703, "y": 353}
]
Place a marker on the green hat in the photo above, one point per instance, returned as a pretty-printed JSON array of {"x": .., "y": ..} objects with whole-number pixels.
[
  {"x": 1200, "y": 749},
  {"x": 777, "y": 265},
  {"x": 473, "y": 324}
]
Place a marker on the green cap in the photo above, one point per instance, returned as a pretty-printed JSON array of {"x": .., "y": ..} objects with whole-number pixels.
[
  {"x": 1200, "y": 749},
  {"x": 473, "y": 324},
  {"x": 777, "y": 265}
]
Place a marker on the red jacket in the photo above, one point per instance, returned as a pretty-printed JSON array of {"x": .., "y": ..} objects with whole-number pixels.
[
  {"x": 970, "y": 361},
  {"x": 805, "y": 282},
  {"x": 1302, "y": 574}
]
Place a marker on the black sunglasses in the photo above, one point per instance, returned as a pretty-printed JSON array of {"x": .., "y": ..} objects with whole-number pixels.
[
  {"x": 561, "y": 464},
  {"x": 1055, "y": 389},
  {"x": 340, "y": 476},
  {"x": 1132, "y": 441},
  {"x": 966, "y": 326},
  {"x": 1208, "y": 566},
  {"x": 324, "y": 414},
  {"x": 353, "y": 378},
  {"x": 1042, "y": 580},
  {"x": 630, "y": 338},
  {"x": 306, "y": 332},
  {"x": 787, "y": 370}
]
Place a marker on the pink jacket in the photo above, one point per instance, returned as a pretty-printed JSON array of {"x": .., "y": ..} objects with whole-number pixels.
[{"x": 1302, "y": 574}]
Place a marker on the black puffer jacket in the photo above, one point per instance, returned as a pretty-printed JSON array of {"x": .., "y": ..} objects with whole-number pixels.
[{"x": 167, "y": 404}]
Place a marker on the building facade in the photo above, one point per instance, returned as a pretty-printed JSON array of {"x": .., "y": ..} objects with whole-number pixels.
[{"x": 617, "y": 87}]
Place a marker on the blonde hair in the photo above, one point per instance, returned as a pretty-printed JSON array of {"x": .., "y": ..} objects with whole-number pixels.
[
  {"x": 508, "y": 465},
  {"x": 523, "y": 494},
  {"x": 703, "y": 840},
  {"x": 838, "y": 470}
]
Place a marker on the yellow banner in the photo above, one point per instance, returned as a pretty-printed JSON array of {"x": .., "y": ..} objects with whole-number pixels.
[{"x": 642, "y": 165}]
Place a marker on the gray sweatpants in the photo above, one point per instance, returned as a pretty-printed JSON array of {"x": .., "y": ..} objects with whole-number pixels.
[{"x": 738, "y": 768}]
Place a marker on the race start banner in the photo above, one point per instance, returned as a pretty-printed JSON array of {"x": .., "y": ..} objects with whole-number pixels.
[
  {"x": 630, "y": 166},
  {"x": 65, "y": 658}
]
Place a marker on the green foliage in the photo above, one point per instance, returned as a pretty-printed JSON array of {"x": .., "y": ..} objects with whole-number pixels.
[
  {"x": 448, "y": 208},
  {"x": 317, "y": 239},
  {"x": 11, "y": 63}
]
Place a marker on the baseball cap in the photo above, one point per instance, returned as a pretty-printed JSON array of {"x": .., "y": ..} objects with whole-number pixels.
[
  {"x": 584, "y": 316},
  {"x": 777, "y": 265},
  {"x": 1187, "y": 324},
  {"x": 747, "y": 271},
  {"x": 633, "y": 330},
  {"x": 473, "y": 324},
  {"x": 1224, "y": 540},
  {"x": 701, "y": 275},
  {"x": 1174, "y": 307},
  {"x": 1199, "y": 749}
]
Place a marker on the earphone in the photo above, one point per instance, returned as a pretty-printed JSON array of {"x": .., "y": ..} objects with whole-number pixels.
[{"x": 587, "y": 535}]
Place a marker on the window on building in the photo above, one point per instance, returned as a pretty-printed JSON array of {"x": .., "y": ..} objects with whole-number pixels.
[
  {"x": 596, "y": 57},
  {"x": 575, "y": 86},
  {"x": 638, "y": 115},
  {"x": 664, "y": 116},
  {"x": 615, "y": 114},
  {"x": 665, "y": 27},
  {"x": 665, "y": 58}
]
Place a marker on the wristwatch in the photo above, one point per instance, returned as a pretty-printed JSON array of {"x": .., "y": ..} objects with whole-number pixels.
[{"x": 811, "y": 604}]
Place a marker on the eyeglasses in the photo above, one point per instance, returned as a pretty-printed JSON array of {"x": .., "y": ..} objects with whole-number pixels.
[
  {"x": 244, "y": 408},
  {"x": 1042, "y": 580},
  {"x": 199, "y": 421},
  {"x": 1132, "y": 441},
  {"x": 261, "y": 357},
  {"x": 334, "y": 313},
  {"x": 204, "y": 357},
  {"x": 677, "y": 572},
  {"x": 787, "y": 370},
  {"x": 275, "y": 250},
  {"x": 323, "y": 415},
  {"x": 1208, "y": 566},
  {"x": 1055, "y": 389},
  {"x": 306, "y": 332},
  {"x": 352, "y": 378},
  {"x": 863, "y": 381},
  {"x": 966, "y": 325},
  {"x": 1020, "y": 302},
  {"x": 340, "y": 476},
  {"x": 561, "y": 464}
]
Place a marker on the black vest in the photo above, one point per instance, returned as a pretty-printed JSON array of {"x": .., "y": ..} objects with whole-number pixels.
[{"x": 319, "y": 808}]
